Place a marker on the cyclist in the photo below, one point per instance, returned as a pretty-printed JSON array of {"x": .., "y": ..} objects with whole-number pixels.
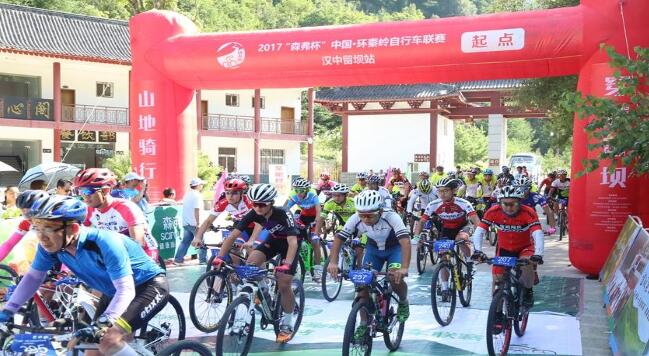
[
  {"x": 519, "y": 235},
  {"x": 361, "y": 183},
  {"x": 426, "y": 193},
  {"x": 340, "y": 205},
  {"x": 397, "y": 176},
  {"x": 235, "y": 204},
  {"x": 532, "y": 199},
  {"x": 388, "y": 243},
  {"x": 133, "y": 287},
  {"x": 324, "y": 184},
  {"x": 115, "y": 214},
  {"x": 373, "y": 183},
  {"x": 24, "y": 203},
  {"x": 505, "y": 173},
  {"x": 489, "y": 183},
  {"x": 561, "y": 187},
  {"x": 283, "y": 240},
  {"x": 439, "y": 174},
  {"x": 546, "y": 184},
  {"x": 455, "y": 215},
  {"x": 309, "y": 205},
  {"x": 472, "y": 187}
]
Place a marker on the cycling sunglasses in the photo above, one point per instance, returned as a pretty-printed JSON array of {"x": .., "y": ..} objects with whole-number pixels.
[
  {"x": 300, "y": 191},
  {"x": 510, "y": 204},
  {"x": 86, "y": 191},
  {"x": 260, "y": 205},
  {"x": 368, "y": 215}
]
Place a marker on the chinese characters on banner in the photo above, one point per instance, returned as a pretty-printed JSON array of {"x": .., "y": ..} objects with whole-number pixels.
[
  {"x": 511, "y": 39},
  {"x": 146, "y": 141},
  {"x": 277, "y": 176}
]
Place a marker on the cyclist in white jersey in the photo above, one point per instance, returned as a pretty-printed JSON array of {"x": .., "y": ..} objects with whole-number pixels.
[{"x": 373, "y": 183}]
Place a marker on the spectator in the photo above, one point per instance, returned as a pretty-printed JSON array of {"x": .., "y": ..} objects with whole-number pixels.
[
  {"x": 10, "y": 208},
  {"x": 63, "y": 187},
  {"x": 38, "y": 184},
  {"x": 192, "y": 205},
  {"x": 169, "y": 197},
  {"x": 519, "y": 172},
  {"x": 129, "y": 190}
]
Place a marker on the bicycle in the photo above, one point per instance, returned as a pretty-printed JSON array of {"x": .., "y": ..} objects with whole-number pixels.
[
  {"x": 185, "y": 348},
  {"x": 481, "y": 206},
  {"x": 8, "y": 279},
  {"x": 425, "y": 249},
  {"x": 376, "y": 315},
  {"x": 452, "y": 264},
  {"x": 306, "y": 256},
  {"x": 258, "y": 293},
  {"x": 562, "y": 218},
  {"x": 506, "y": 309},
  {"x": 347, "y": 261}
]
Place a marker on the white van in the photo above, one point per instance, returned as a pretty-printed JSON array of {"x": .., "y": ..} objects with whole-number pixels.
[{"x": 529, "y": 160}]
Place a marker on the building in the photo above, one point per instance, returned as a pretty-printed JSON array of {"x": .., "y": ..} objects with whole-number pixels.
[
  {"x": 406, "y": 125},
  {"x": 64, "y": 95}
]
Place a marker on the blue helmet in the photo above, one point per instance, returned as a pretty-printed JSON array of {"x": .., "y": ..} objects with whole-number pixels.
[
  {"x": 56, "y": 207},
  {"x": 488, "y": 171}
]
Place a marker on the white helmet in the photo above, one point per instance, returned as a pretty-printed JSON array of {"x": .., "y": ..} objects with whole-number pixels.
[
  {"x": 262, "y": 193},
  {"x": 340, "y": 188},
  {"x": 301, "y": 183},
  {"x": 368, "y": 200},
  {"x": 361, "y": 175},
  {"x": 522, "y": 182},
  {"x": 510, "y": 192}
]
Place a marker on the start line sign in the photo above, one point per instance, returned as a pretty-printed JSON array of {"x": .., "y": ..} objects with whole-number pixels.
[{"x": 422, "y": 157}]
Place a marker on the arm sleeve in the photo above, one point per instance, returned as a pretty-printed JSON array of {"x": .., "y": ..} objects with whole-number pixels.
[
  {"x": 411, "y": 202},
  {"x": 26, "y": 288},
  {"x": 11, "y": 242},
  {"x": 478, "y": 236},
  {"x": 124, "y": 294},
  {"x": 537, "y": 235}
]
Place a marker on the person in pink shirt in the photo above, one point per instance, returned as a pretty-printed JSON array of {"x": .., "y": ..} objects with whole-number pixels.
[{"x": 24, "y": 203}]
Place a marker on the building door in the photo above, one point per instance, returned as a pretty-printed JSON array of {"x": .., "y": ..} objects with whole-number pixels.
[
  {"x": 204, "y": 112},
  {"x": 67, "y": 105},
  {"x": 288, "y": 120}
]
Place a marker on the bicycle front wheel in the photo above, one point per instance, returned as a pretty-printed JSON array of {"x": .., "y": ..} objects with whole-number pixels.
[
  {"x": 298, "y": 308},
  {"x": 499, "y": 327},
  {"x": 357, "y": 340},
  {"x": 331, "y": 285},
  {"x": 442, "y": 293},
  {"x": 7, "y": 280},
  {"x": 186, "y": 348},
  {"x": 393, "y": 327},
  {"x": 208, "y": 300},
  {"x": 422, "y": 256},
  {"x": 237, "y": 329},
  {"x": 467, "y": 284}
]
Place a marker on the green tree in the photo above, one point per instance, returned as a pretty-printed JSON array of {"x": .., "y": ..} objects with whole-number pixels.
[
  {"x": 470, "y": 145},
  {"x": 519, "y": 136},
  {"x": 618, "y": 129},
  {"x": 120, "y": 164},
  {"x": 207, "y": 171}
]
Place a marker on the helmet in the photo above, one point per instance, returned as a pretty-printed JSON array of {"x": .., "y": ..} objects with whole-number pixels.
[
  {"x": 522, "y": 182},
  {"x": 562, "y": 172},
  {"x": 57, "y": 207},
  {"x": 369, "y": 200},
  {"x": 396, "y": 170},
  {"x": 340, "y": 188},
  {"x": 324, "y": 175},
  {"x": 424, "y": 186},
  {"x": 95, "y": 177},
  {"x": 301, "y": 183},
  {"x": 451, "y": 175},
  {"x": 262, "y": 193},
  {"x": 503, "y": 181},
  {"x": 553, "y": 174},
  {"x": 473, "y": 171},
  {"x": 504, "y": 169},
  {"x": 424, "y": 175},
  {"x": 235, "y": 185},
  {"x": 447, "y": 182},
  {"x": 246, "y": 179},
  {"x": 488, "y": 172},
  {"x": 510, "y": 192},
  {"x": 27, "y": 198},
  {"x": 374, "y": 179},
  {"x": 361, "y": 175}
]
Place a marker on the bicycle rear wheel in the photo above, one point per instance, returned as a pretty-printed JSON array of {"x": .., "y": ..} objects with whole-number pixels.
[
  {"x": 237, "y": 329},
  {"x": 499, "y": 327},
  {"x": 357, "y": 339},
  {"x": 208, "y": 300},
  {"x": 186, "y": 348},
  {"x": 422, "y": 257},
  {"x": 394, "y": 328},
  {"x": 165, "y": 328},
  {"x": 467, "y": 284},
  {"x": 442, "y": 299}
]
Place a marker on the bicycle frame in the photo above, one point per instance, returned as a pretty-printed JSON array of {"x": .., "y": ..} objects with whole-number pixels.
[
  {"x": 454, "y": 257},
  {"x": 379, "y": 292}
]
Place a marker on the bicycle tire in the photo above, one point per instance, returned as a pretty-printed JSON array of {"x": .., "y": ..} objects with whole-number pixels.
[
  {"x": 298, "y": 290},
  {"x": 433, "y": 293},
  {"x": 339, "y": 284},
  {"x": 563, "y": 226},
  {"x": 143, "y": 333},
  {"x": 497, "y": 302},
  {"x": 350, "y": 327},
  {"x": 467, "y": 283},
  {"x": 7, "y": 279},
  {"x": 389, "y": 343},
  {"x": 207, "y": 280},
  {"x": 185, "y": 345},
  {"x": 422, "y": 257},
  {"x": 521, "y": 314},
  {"x": 228, "y": 317}
]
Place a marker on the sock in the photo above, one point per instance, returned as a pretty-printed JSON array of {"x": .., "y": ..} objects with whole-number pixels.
[{"x": 287, "y": 319}]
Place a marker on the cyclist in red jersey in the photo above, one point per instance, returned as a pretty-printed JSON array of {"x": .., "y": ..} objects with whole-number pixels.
[
  {"x": 519, "y": 235},
  {"x": 546, "y": 184},
  {"x": 108, "y": 213}
]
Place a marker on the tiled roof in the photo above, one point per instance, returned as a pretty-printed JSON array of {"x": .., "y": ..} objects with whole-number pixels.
[
  {"x": 59, "y": 34},
  {"x": 411, "y": 92}
]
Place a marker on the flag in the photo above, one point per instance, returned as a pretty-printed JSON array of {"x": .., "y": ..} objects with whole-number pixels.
[
  {"x": 219, "y": 186},
  {"x": 388, "y": 175}
]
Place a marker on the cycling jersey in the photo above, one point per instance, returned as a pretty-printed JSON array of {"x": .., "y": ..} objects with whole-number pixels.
[
  {"x": 454, "y": 213},
  {"x": 307, "y": 204},
  {"x": 118, "y": 216},
  {"x": 435, "y": 177},
  {"x": 102, "y": 256},
  {"x": 424, "y": 198},
  {"x": 280, "y": 224},
  {"x": 347, "y": 209},
  {"x": 515, "y": 233},
  {"x": 488, "y": 187},
  {"x": 387, "y": 198},
  {"x": 357, "y": 188},
  {"x": 562, "y": 188},
  {"x": 472, "y": 187},
  {"x": 324, "y": 186},
  {"x": 235, "y": 211},
  {"x": 533, "y": 199},
  {"x": 546, "y": 184},
  {"x": 385, "y": 234}
]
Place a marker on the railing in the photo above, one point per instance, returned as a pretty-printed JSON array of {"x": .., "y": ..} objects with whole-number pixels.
[
  {"x": 95, "y": 114},
  {"x": 14, "y": 107},
  {"x": 220, "y": 122}
]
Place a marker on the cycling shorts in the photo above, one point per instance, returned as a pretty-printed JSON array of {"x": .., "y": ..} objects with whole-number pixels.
[
  {"x": 451, "y": 234},
  {"x": 378, "y": 258},
  {"x": 273, "y": 247},
  {"x": 525, "y": 252},
  {"x": 150, "y": 297}
]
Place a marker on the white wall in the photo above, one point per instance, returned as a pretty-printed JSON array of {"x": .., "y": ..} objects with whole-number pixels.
[
  {"x": 45, "y": 136},
  {"x": 445, "y": 142},
  {"x": 274, "y": 100}
]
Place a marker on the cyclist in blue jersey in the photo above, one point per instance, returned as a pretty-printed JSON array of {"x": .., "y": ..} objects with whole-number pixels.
[
  {"x": 532, "y": 199},
  {"x": 133, "y": 287}
]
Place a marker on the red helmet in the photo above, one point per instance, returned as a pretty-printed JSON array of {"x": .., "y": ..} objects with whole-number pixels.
[
  {"x": 235, "y": 185},
  {"x": 324, "y": 176},
  {"x": 95, "y": 177}
]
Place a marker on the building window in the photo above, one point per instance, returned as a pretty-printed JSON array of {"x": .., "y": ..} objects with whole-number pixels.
[
  {"x": 231, "y": 100},
  {"x": 270, "y": 156},
  {"x": 228, "y": 158},
  {"x": 262, "y": 102},
  {"x": 20, "y": 85},
  {"x": 104, "y": 90}
]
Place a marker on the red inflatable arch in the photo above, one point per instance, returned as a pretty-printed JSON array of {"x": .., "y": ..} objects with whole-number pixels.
[{"x": 171, "y": 59}]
